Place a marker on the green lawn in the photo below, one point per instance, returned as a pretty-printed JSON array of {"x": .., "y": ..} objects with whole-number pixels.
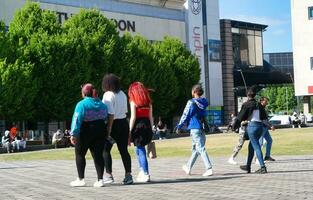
[{"x": 285, "y": 142}]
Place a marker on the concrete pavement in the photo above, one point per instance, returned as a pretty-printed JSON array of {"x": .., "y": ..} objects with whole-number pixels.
[{"x": 290, "y": 177}]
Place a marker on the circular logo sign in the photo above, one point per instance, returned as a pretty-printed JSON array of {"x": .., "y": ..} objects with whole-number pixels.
[{"x": 196, "y": 6}]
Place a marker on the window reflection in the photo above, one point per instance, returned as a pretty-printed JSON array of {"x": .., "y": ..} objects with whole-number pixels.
[{"x": 247, "y": 48}]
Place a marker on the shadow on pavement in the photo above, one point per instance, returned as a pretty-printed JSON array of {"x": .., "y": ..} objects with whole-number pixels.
[
  {"x": 292, "y": 160},
  {"x": 290, "y": 171},
  {"x": 271, "y": 172},
  {"x": 188, "y": 180},
  {"x": 17, "y": 167}
]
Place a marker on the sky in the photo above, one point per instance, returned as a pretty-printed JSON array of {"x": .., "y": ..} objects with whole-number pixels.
[{"x": 274, "y": 13}]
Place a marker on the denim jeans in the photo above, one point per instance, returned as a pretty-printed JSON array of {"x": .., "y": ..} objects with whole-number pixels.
[
  {"x": 142, "y": 158},
  {"x": 266, "y": 135},
  {"x": 255, "y": 130},
  {"x": 198, "y": 147}
]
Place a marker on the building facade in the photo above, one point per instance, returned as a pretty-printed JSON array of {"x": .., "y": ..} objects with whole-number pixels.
[
  {"x": 242, "y": 50},
  {"x": 282, "y": 62},
  {"x": 302, "y": 40}
]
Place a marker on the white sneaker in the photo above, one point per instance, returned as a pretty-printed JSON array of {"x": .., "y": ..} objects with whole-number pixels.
[
  {"x": 98, "y": 183},
  {"x": 232, "y": 161},
  {"x": 208, "y": 172},
  {"x": 186, "y": 169},
  {"x": 78, "y": 183},
  {"x": 142, "y": 177},
  {"x": 108, "y": 179}
]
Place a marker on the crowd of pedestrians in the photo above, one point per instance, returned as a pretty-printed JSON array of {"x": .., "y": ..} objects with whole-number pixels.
[{"x": 98, "y": 125}]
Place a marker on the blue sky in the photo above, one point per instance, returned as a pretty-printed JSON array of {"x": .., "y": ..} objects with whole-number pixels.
[{"x": 274, "y": 13}]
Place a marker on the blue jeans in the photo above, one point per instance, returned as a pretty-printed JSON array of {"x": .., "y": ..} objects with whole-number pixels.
[
  {"x": 198, "y": 147},
  {"x": 266, "y": 135},
  {"x": 142, "y": 158},
  {"x": 255, "y": 130}
]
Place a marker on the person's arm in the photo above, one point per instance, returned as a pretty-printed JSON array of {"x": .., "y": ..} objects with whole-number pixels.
[
  {"x": 77, "y": 120},
  {"x": 132, "y": 119},
  {"x": 240, "y": 117},
  {"x": 110, "y": 123},
  {"x": 132, "y": 116},
  {"x": 108, "y": 99},
  {"x": 186, "y": 114},
  {"x": 151, "y": 116}
]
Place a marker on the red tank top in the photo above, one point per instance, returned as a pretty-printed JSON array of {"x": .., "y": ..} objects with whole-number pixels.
[{"x": 142, "y": 112}]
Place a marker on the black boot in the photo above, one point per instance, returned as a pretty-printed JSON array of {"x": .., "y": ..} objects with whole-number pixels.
[
  {"x": 269, "y": 158},
  {"x": 262, "y": 170},
  {"x": 245, "y": 168}
]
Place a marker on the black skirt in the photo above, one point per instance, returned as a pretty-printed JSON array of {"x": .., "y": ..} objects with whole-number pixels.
[{"x": 141, "y": 134}]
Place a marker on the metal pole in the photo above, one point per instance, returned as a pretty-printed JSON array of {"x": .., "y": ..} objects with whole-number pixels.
[
  {"x": 287, "y": 99},
  {"x": 243, "y": 78}
]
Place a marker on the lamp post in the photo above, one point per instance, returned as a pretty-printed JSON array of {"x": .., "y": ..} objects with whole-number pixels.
[
  {"x": 287, "y": 99},
  {"x": 243, "y": 78}
]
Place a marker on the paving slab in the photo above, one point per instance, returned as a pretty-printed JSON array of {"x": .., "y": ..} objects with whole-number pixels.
[{"x": 289, "y": 177}]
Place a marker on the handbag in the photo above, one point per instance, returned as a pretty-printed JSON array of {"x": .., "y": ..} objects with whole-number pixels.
[
  {"x": 205, "y": 125},
  {"x": 152, "y": 150}
]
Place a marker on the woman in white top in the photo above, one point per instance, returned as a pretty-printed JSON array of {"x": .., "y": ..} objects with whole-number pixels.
[{"x": 118, "y": 126}]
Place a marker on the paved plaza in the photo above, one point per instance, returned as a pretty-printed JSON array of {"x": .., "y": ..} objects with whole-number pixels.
[{"x": 290, "y": 177}]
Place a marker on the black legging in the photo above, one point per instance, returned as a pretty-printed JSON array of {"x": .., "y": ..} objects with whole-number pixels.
[
  {"x": 120, "y": 131},
  {"x": 92, "y": 137}
]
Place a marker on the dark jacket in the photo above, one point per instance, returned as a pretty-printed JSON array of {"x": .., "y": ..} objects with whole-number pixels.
[{"x": 246, "y": 112}]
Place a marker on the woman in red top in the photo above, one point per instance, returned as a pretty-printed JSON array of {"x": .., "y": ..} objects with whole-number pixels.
[{"x": 141, "y": 122}]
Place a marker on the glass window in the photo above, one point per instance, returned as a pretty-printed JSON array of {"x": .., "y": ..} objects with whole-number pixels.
[
  {"x": 258, "y": 51},
  {"x": 235, "y": 30},
  {"x": 243, "y": 31},
  {"x": 250, "y": 32},
  {"x": 251, "y": 50},
  {"x": 244, "y": 52},
  {"x": 311, "y": 12},
  {"x": 258, "y": 33}
]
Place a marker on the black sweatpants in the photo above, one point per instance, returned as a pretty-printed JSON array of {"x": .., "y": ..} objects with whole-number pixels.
[
  {"x": 120, "y": 132},
  {"x": 92, "y": 137}
]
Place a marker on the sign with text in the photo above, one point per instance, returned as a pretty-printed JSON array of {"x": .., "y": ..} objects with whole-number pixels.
[{"x": 195, "y": 33}]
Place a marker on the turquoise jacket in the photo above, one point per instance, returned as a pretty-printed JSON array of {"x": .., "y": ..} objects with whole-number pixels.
[{"x": 87, "y": 110}]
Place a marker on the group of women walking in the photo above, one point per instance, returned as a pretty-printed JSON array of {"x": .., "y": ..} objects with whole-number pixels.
[{"x": 97, "y": 125}]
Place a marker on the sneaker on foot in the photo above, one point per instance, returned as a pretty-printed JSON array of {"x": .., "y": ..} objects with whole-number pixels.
[
  {"x": 245, "y": 168},
  {"x": 78, "y": 183},
  {"x": 208, "y": 172},
  {"x": 108, "y": 179},
  {"x": 186, "y": 169},
  {"x": 262, "y": 170},
  {"x": 98, "y": 183},
  {"x": 142, "y": 177},
  {"x": 128, "y": 180},
  {"x": 269, "y": 158},
  {"x": 232, "y": 161}
]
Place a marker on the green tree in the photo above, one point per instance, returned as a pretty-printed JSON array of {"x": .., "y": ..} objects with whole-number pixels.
[
  {"x": 20, "y": 85},
  {"x": 43, "y": 64},
  {"x": 136, "y": 61},
  {"x": 281, "y": 98},
  {"x": 172, "y": 53}
]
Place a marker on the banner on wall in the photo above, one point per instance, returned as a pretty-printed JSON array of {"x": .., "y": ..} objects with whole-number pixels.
[{"x": 195, "y": 33}]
